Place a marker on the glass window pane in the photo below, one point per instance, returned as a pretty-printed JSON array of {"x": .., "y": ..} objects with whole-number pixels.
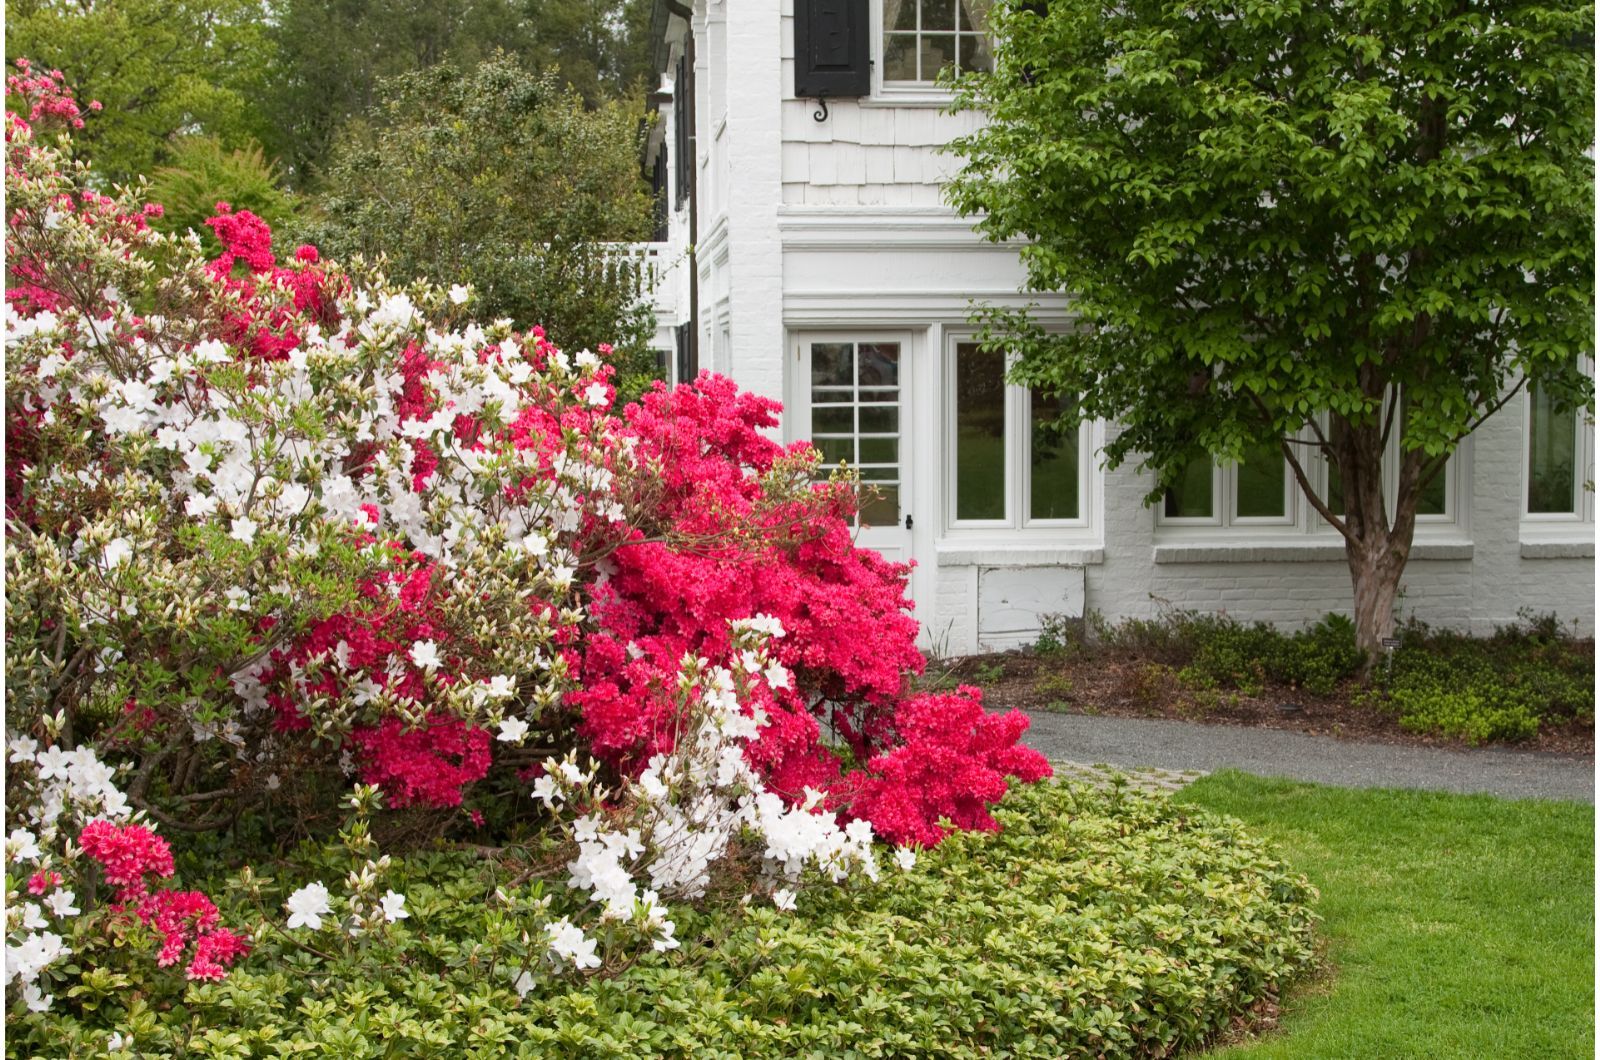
[
  {"x": 975, "y": 56},
  {"x": 831, "y": 363},
  {"x": 938, "y": 14},
  {"x": 980, "y": 386},
  {"x": 834, "y": 450},
  {"x": 840, "y": 420},
  {"x": 900, "y": 57},
  {"x": 905, "y": 17},
  {"x": 1190, "y": 498},
  {"x": 1052, "y": 460},
  {"x": 879, "y": 365},
  {"x": 880, "y": 450},
  {"x": 1335, "y": 495},
  {"x": 1431, "y": 501},
  {"x": 880, "y": 419},
  {"x": 880, "y": 504},
  {"x": 937, "y": 52},
  {"x": 1552, "y": 457},
  {"x": 1261, "y": 482}
]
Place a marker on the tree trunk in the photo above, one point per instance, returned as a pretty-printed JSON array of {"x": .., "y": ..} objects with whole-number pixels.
[
  {"x": 1375, "y": 576},
  {"x": 1376, "y": 547}
]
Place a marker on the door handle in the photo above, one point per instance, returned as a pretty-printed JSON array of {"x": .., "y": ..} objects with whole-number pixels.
[{"x": 908, "y": 522}]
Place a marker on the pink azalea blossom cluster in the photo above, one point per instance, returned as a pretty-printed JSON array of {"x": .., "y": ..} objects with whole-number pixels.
[
  {"x": 129, "y": 855},
  {"x": 48, "y": 94},
  {"x": 58, "y": 788}
]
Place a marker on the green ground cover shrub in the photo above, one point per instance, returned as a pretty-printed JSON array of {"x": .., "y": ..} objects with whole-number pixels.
[
  {"x": 1479, "y": 689},
  {"x": 1098, "y": 923},
  {"x": 1500, "y": 687}
]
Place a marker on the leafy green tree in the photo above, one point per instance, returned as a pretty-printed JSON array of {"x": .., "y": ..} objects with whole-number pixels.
[
  {"x": 333, "y": 54},
  {"x": 203, "y": 173},
  {"x": 502, "y": 179},
  {"x": 161, "y": 68},
  {"x": 1311, "y": 226}
]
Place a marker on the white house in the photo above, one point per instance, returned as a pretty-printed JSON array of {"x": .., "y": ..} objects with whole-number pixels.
[{"x": 809, "y": 256}]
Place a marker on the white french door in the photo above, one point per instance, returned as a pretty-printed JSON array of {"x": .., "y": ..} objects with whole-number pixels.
[{"x": 851, "y": 400}]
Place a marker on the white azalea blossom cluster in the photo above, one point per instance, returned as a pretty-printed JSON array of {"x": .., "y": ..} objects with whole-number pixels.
[
  {"x": 688, "y": 808},
  {"x": 311, "y": 907},
  {"x": 192, "y": 504},
  {"x": 56, "y": 792}
]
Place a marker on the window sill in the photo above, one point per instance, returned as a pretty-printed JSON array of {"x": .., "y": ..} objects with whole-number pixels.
[
  {"x": 1308, "y": 552},
  {"x": 909, "y": 97},
  {"x": 979, "y": 555},
  {"x": 1558, "y": 549}
]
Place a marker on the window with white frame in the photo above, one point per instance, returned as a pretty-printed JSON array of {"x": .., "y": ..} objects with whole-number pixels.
[
  {"x": 1559, "y": 464},
  {"x": 1256, "y": 491},
  {"x": 1011, "y": 466},
  {"x": 1260, "y": 492},
  {"x": 921, "y": 38}
]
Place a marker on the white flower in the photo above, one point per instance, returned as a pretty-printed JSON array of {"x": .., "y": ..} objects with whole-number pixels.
[
  {"x": 425, "y": 655},
  {"x": 199, "y": 505},
  {"x": 459, "y": 294},
  {"x": 586, "y": 359},
  {"x": 35, "y": 997},
  {"x": 209, "y": 352},
  {"x": 569, "y": 942},
  {"x": 906, "y": 858},
  {"x": 545, "y": 788},
  {"x": 273, "y": 783},
  {"x": 117, "y": 552},
  {"x": 54, "y": 763},
  {"x": 119, "y": 1041},
  {"x": 512, "y": 730},
  {"x": 244, "y": 529},
  {"x": 524, "y": 983},
  {"x": 536, "y": 545},
  {"x": 308, "y": 906},
  {"x": 23, "y": 846},
  {"x": 22, "y": 748},
  {"x": 596, "y": 394},
  {"x": 60, "y": 903},
  {"x": 394, "y": 906},
  {"x": 500, "y": 686},
  {"x": 395, "y": 311},
  {"x": 783, "y": 898},
  {"x": 32, "y": 918},
  {"x": 777, "y": 675},
  {"x": 238, "y": 599}
]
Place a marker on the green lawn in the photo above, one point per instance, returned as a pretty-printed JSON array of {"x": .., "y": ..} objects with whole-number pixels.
[{"x": 1456, "y": 926}]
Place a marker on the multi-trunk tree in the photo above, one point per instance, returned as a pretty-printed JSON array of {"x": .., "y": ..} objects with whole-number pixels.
[{"x": 1337, "y": 229}]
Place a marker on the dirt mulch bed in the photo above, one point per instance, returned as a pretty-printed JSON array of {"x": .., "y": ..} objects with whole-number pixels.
[{"x": 1131, "y": 687}]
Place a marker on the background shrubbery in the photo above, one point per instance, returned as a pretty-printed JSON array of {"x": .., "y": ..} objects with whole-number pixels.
[{"x": 1479, "y": 689}]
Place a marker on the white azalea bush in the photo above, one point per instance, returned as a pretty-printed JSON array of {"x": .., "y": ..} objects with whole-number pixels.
[{"x": 227, "y": 525}]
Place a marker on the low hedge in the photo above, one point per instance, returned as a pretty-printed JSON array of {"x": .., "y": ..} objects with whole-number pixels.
[{"x": 1103, "y": 923}]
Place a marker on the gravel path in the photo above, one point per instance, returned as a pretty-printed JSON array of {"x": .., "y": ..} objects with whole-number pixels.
[{"x": 1181, "y": 746}]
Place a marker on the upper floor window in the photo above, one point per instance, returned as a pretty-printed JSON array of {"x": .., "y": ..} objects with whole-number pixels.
[
  {"x": 1012, "y": 465},
  {"x": 921, "y": 38}
]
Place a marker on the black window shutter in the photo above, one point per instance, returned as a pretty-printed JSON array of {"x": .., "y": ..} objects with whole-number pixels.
[
  {"x": 832, "y": 56},
  {"x": 682, "y": 132}
]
